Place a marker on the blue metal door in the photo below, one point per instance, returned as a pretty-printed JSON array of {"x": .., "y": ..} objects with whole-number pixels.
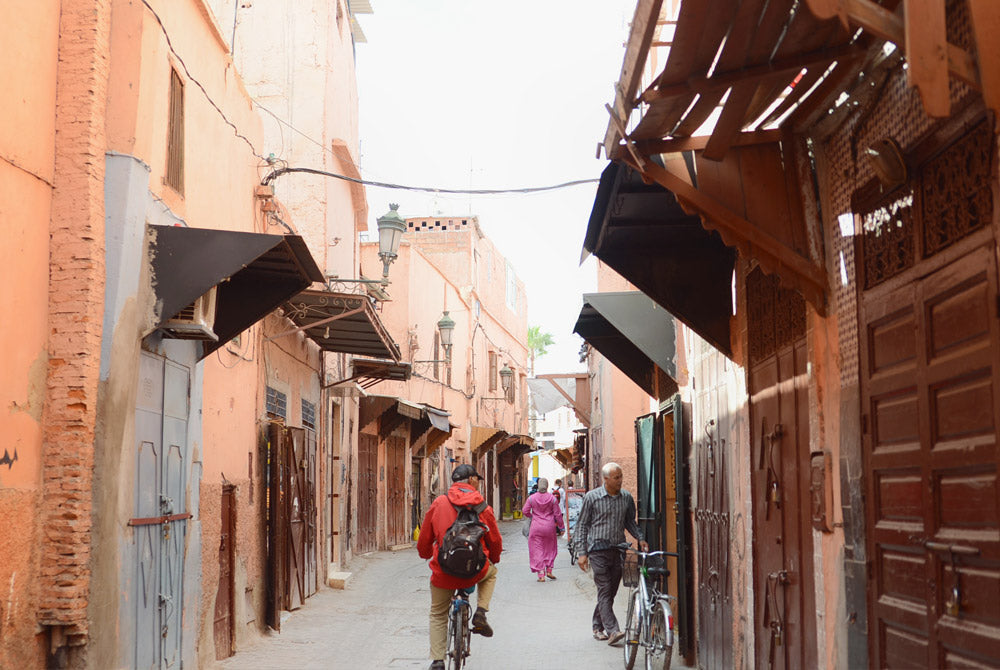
[{"x": 160, "y": 522}]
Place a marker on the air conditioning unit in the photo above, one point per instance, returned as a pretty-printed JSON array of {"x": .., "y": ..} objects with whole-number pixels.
[{"x": 194, "y": 322}]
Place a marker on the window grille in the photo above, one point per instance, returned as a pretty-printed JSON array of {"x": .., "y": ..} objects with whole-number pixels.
[
  {"x": 276, "y": 404},
  {"x": 309, "y": 414}
]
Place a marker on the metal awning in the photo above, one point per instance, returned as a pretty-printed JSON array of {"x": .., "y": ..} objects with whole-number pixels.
[
  {"x": 254, "y": 274},
  {"x": 434, "y": 427},
  {"x": 635, "y": 334},
  {"x": 641, "y": 232},
  {"x": 341, "y": 322}
]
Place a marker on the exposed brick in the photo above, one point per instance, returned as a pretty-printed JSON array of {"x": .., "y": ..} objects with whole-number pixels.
[{"x": 75, "y": 313}]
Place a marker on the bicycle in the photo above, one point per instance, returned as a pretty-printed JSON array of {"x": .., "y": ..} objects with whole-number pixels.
[
  {"x": 650, "y": 619},
  {"x": 459, "y": 628}
]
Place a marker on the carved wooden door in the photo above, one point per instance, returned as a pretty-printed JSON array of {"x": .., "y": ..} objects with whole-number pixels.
[
  {"x": 367, "y": 493},
  {"x": 784, "y": 595},
  {"x": 710, "y": 496},
  {"x": 395, "y": 451},
  {"x": 931, "y": 401},
  {"x": 224, "y": 599}
]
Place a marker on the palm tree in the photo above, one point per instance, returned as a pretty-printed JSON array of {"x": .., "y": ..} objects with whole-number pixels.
[{"x": 538, "y": 344}]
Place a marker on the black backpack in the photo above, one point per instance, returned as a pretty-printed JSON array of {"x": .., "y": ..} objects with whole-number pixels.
[{"x": 461, "y": 553}]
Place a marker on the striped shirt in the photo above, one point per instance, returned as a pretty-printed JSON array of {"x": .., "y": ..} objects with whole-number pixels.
[{"x": 603, "y": 520}]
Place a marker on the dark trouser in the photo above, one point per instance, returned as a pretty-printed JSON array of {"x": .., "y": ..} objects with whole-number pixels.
[{"x": 607, "y": 567}]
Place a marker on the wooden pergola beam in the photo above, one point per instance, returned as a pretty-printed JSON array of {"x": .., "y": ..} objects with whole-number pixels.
[
  {"x": 644, "y": 23},
  {"x": 882, "y": 23},
  {"x": 678, "y": 144},
  {"x": 723, "y": 80}
]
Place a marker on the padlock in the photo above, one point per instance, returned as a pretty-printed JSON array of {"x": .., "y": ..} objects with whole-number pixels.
[
  {"x": 777, "y": 635},
  {"x": 774, "y": 495},
  {"x": 953, "y": 604}
]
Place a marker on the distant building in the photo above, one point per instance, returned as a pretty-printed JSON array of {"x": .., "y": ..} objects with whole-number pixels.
[{"x": 448, "y": 267}]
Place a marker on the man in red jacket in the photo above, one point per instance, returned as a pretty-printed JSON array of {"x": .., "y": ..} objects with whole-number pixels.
[{"x": 437, "y": 521}]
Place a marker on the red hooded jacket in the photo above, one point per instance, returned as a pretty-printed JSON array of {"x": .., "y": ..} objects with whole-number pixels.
[{"x": 438, "y": 520}]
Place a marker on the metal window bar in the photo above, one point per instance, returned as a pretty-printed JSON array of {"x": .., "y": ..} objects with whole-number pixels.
[
  {"x": 309, "y": 414},
  {"x": 276, "y": 403}
]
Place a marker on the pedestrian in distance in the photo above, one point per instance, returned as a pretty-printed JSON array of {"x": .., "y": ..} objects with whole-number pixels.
[
  {"x": 439, "y": 518},
  {"x": 560, "y": 493},
  {"x": 546, "y": 525},
  {"x": 605, "y": 514}
]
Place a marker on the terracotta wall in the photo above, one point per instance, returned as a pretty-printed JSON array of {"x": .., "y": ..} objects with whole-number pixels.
[{"x": 30, "y": 37}]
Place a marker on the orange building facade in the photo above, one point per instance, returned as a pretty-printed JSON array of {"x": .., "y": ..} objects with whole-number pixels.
[{"x": 150, "y": 381}]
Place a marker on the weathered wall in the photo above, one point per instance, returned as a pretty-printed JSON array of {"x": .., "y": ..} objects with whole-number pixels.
[
  {"x": 29, "y": 36},
  {"x": 307, "y": 101},
  {"x": 76, "y": 301}
]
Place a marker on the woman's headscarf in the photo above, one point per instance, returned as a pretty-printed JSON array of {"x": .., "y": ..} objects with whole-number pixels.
[{"x": 543, "y": 485}]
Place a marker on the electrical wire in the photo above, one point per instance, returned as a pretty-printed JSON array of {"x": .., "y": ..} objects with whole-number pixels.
[
  {"x": 426, "y": 189},
  {"x": 367, "y": 182}
]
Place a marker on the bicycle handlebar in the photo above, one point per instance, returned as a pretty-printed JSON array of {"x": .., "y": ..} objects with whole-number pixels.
[{"x": 625, "y": 546}]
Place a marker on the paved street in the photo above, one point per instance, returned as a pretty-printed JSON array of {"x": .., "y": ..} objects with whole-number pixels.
[{"x": 380, "y": 620}]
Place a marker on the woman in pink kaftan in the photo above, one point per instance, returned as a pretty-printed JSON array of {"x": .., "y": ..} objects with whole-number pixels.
[{"x": 546, "y": 525}]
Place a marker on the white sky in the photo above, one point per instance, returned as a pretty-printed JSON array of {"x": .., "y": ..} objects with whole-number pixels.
[{"x": 473, "y": 94}]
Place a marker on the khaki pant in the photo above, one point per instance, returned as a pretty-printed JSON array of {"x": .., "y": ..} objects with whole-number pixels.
[{"x": 441, "y": 599}]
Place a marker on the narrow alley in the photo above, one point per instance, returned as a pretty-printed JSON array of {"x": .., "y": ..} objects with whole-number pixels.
[{"x": 381, "y": 617}]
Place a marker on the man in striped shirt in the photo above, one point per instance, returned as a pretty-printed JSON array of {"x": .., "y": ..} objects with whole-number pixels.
[{"x": 606, "y": 513}]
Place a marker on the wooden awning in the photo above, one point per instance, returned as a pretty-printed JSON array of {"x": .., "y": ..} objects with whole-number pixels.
[
  {"x": 638, "y": 336},
  {"x": 484, "y": 438},
  {"x": 762, "y": 64},
  {"x": 753, "y": 78},
  {"x": 430, "y": 431},
  {"x": 518, "y": 444},
  {"x": 391, "y": 412}
]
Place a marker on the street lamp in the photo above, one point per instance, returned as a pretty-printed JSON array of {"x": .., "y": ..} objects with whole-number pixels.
[
  {"x": 391, "y": 227},
  {"x": 506, "y": 375},
  {"x": 446, "y": 326}
]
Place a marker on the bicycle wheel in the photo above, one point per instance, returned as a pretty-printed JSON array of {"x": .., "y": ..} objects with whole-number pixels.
[
  {"x": 661, "y": 648},
  {"x": 633, "y": 631},
  {"x": 466, "y": 615},
  {"x": 456, "y": 640}
]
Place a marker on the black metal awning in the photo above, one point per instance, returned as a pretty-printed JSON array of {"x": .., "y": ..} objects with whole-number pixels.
[
  {"x": 254, "y": 273},
  {"x": 342, "y": 322},
  {"x": 635, "y": 334},
  {"x": 641, "y": 232}
]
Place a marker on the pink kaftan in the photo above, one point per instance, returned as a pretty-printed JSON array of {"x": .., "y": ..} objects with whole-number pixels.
[{"x": 546, "y": 518}]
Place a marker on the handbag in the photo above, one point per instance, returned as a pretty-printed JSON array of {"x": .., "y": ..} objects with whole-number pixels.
[{"x": 526, "y": 527}]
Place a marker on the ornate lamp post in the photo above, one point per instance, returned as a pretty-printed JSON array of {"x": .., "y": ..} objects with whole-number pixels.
[{"x": 391, "y": 227}]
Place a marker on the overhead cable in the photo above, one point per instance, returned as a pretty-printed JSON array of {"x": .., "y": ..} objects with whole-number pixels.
[{"x": 426, "y": 189}]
